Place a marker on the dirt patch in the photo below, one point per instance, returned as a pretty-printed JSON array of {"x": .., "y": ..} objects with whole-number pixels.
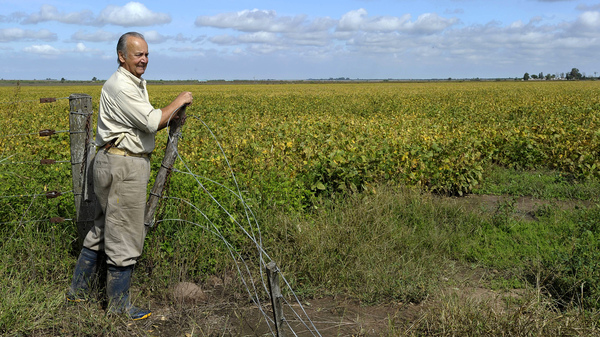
[
  {"x": 329, "y": 316},
  {"x": 222, "y": 312},
  {"x": 525, "y": 208}
]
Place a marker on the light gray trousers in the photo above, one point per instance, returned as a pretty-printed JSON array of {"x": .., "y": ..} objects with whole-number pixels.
[{"x": 120, "y": 184}]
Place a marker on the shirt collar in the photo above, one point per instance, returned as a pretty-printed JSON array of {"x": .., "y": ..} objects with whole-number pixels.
[{"x": 140, "y": 82}]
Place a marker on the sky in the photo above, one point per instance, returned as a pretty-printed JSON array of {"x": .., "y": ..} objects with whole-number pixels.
[{"x": 308, "y": 39}]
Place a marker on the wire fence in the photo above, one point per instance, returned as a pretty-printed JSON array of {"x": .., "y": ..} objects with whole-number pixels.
[
  {"x": 34, "y": 193},
  {"x": 19, "y": 167}
]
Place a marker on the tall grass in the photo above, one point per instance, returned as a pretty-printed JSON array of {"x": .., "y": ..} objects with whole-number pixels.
[{"x": 386, "y": 245}]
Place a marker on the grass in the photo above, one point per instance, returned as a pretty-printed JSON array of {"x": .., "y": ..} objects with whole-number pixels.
[
  {"x": 542, "y": 184},
  {"x": 390, "y": 245}
]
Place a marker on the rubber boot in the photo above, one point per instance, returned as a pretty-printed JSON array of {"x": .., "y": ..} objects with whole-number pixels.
[
  {"x": 82, "y": 276},
  {"x": 118, "y": 281}
]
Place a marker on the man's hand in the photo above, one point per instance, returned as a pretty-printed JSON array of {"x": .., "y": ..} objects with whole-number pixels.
[
  {"x": 171, "y": 111},
  {"x": 185, "y": 98}
]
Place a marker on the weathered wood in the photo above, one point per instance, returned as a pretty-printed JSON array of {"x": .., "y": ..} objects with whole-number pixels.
[
  {"x": 273, "y": 276},
  {"x": 163, "y": 174},
  {"x": 82, "y": 153}
]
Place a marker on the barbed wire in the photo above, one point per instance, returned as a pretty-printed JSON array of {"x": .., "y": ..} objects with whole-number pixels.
[
  {"x": 48, "y": 195},
  {"x": 235, "y": 255},
  {"x": 41, "y": 133},
  {"x": 51, "y": 220},
  {"x": 253, "y": 293},
  {"x": 5, "y": 159},
  {"x": 40, "y": 100},
  {"x": 41, "y": 162},
  {"x": 253, "y": 232},
  {"x": 251, "y": 221}
]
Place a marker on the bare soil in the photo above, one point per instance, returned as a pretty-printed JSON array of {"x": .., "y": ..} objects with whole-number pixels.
[{"x": 219, "y": 312}]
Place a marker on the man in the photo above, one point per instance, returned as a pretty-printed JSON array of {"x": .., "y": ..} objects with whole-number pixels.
[{"x": 127, "y": 125}]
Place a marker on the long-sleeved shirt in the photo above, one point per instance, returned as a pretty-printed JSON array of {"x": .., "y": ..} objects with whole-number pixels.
[{"x": 125, "y": 111}]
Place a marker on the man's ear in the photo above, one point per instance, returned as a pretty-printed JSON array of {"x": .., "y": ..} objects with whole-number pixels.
[{"x": 121, "y": 57}]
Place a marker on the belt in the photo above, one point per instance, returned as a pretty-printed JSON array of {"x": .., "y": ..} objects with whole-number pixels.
[{"x": 123, "y": 152}]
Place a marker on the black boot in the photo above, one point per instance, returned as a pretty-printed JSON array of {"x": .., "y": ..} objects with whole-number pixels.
[
  {"x": 118, "y": 282},
  {"x": 82, "y": 276}
]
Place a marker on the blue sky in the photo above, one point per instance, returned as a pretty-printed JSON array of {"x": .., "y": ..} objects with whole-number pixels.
[{"x": 285, "y": 40}]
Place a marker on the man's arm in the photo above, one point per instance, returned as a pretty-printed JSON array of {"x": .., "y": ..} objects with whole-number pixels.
[{"x": 167, "y": 112}]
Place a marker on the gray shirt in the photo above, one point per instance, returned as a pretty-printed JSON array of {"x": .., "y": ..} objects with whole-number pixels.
[{"x": 126, "y": 112}]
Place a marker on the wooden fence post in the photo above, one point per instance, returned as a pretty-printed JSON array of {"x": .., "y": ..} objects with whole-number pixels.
[
  {"x": 165, "y": 168},
  {"x": 273, "y": 276},
  {"x": 82, "y": 154}
]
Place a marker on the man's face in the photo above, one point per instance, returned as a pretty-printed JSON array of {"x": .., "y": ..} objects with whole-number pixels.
[{"x": 136, "y": 59}]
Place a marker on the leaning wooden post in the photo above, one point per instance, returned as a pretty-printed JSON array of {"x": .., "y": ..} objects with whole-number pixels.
[
  {"x": 273, "y": 276},
  {"x": 82, "y": 154},
  {"x": 164, "y": 172}
]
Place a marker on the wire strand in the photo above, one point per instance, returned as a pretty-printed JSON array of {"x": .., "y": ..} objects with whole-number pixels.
[
  {"x": 34, "y": 100},
  {"x": 257, "y": 242}
]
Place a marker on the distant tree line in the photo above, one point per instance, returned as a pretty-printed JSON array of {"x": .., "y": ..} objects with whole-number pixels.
[{"x": 574, "y": 74}]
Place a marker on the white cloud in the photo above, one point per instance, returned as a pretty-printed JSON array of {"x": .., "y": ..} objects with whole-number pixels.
[
  {"x": 180, "y": 38},
  {"x": 224, "y": 40},
  {"x": 42, "y": 50},
  {"x": 319, "y": 25},
  {"x": 590, "y": 20},
  {"x": 430, "y": 23},
  {"x": 265, "y": 27},
  {"x": 259, "y": 37},
  {"x": 359, "y": 20},
  {"x": 185, "y": 49},
  {"x": 18, "y": 34},
  {"x": 252, "y": 21},
  {"x": 388, "y": 23},
  {"x": 355, "y": 31},
  {"x": 80, "y": 47},
  {"x": 51, "y": 13},
  {"x": 129, "y": 15},
  {"x": 153, "y": 36},
  {"x": 97, "y": 36},
  {"x": 517, "y": 25},
  {"x": 48, "y": 50},
  {"x": 317, "y": 38},
  {"x": 132, "y": 14},
  {"x": 353, "y": 20},
  {"x": 83, "y": 49},
  {"x": 380, "y": 42},
  {"x": 200, "y": 39},
  {"x": 429, "y": 38},
  {"x": 263, "y": 49},
  {"x": 13, "y": 17}
]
